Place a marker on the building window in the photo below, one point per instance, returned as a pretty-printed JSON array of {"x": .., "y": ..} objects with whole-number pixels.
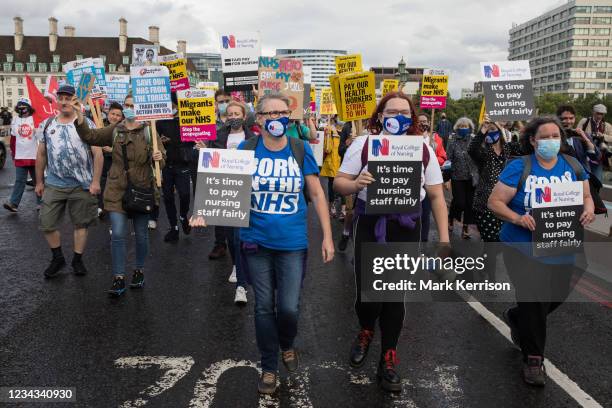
[
  {"x": 79, "y": 57},
  {"x": 20, "y": 92},
  {"x": 112, "y": 67},
  {"x": 599, "y": 43},
  {"x": 581, "y": 43},
  {"x": 19, "y": 66},
  {"x": 581, "y": 31},
  {"x": 595, "y": 85},
  {"x": 602, "y": 9},
  {"x": 32, "y": 57},
  {"x": 609, "y": 85},
  {"x": 7, "y": 66},
  {"x": 56, "y": 58},
  {"x": 10, "y": 103},
  {"x": 103, "y": 58},
  {"x": 9, "y": 57},
  {"x": 583, "y": 9},
  {"x": 20, "y": 81},
  {"x": 597, "y": 53},
  {"x": 126, "y": 60},
  {"x": 42, "y": 67},
  {"x": 602, "y": 20},
  {"x": 609, "y": 75},
  {"x": 31, "y": 66},
  {"x": 55, "y": 67},
  {"x": 9, "y": 92},
  {"x": 578, "y": 74},
  {"x": 582, "y": 20},
  {"x": 43, "y": 81},
  {"x": 577, "y": 85},
  {"x": 600, "y": 31},
  {"x": 597, "y": 64}
]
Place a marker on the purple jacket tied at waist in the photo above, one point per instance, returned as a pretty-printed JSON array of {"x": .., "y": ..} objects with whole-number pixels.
[{"x": 407, "y": 220}]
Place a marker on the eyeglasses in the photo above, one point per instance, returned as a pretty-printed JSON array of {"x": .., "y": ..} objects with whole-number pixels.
[
  {"x": 395, "y": 112},
  {"x": 275, "y": 114}
]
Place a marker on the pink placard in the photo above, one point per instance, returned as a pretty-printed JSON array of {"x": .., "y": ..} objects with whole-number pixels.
[
  {"x": 196, "y": 133},
  {"x": 433, "y": 102},
  {"x": 179, "y": 84}
]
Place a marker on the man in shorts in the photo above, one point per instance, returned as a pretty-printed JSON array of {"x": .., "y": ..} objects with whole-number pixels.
[{"x": 72, "y": 182}]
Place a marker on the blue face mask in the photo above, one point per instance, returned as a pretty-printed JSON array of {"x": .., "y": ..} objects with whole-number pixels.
[
  {"x": 277, "y": 127},
  {"x": 222, "y": 108},
  {"x": 397, "y": 125},
  {"x": 548, "y": 149},
  {"x": 493, "y": 137},
  {"x": 463, "y": 132},
  {"x": 129, "y": 113}
]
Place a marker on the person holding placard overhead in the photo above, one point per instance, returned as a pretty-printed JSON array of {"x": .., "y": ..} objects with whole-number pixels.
[
  {"x": 130, "y": 175},
  {"x": 394, "y": 115},
  {"x": 274, "y": 246},
  {"x": 541, "y": 283}
]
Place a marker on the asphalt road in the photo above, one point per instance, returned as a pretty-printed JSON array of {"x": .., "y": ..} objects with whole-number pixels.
[{"x": 181, "y": 342}]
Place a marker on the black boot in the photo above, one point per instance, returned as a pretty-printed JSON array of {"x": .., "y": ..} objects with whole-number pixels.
[
  {"x": 388, "y": 378},
  {"x": 360, "y": 347}
]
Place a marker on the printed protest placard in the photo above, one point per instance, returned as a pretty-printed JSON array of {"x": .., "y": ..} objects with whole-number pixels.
[
  {"x": 75, "y": 69},
  {"x": 434, "y": 89},
  {"x": 151, "y": 92},
  {"x": 357, "y": 96},
  {"x": 197, "y": 117},
  {"x": 144, "y": 54},
  {"x": 317, "y": 145},
  {"x": 389, "y": 85},
  {"x": 177, "y": 67},
  {"x": 117, "y": 87},
  {"x": 508, "y": 90},
  {"x": 240, "y": 60},
  {"x": 283, "y": 75},
  {"x": 85, "y": 85},
  {"x": 395, "y": 162},
  {"x": 223, "y": 193},
  {"x": 556, "y": 209},
  {"x": 348, "y": 63},
  {"x": 313, "y": 98},
  {"x": 208, "y": 85},
  {"x": 99, "y": 89},
  {"x": 327, "y": 102}
]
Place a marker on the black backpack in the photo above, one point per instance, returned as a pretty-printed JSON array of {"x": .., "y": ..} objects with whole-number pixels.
[
  {"x": 594, "y": 183},
  {"x": 297, "y": 151}
]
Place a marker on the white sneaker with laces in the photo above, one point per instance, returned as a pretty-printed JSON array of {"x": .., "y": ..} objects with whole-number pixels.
[
  {"x": 152, "y": 224},
  {"x": 232, "y": 278},
  {"x": 240, "y": 297}
]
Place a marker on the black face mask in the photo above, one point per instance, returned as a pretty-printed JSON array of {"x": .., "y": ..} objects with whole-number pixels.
[
  {"x": 234, "y": 123},
  {"x": 23, "y": 111}
]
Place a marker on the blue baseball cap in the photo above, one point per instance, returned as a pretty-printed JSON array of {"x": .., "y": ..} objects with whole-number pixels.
[{"x": 66, "y": 89}]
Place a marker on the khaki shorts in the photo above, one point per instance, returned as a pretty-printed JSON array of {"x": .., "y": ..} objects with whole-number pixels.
[{"x": 82, "y": 207}]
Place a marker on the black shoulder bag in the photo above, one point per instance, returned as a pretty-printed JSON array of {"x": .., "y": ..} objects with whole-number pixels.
[{"x": 136, "y": 200}]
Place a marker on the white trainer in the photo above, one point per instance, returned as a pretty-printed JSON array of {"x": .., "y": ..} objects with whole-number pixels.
[
  {"x": 152, "y": 224},
  {"x": 232, "y": 278},
  {"x": 240, "y": 298}
]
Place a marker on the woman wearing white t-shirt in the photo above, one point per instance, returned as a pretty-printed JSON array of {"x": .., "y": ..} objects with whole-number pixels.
[
  {"x": 394, "y": 109},
  {"x": 230, "y": 136}
]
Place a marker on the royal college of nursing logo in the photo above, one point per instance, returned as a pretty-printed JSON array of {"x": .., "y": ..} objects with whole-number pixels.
[
  {"x": 492, "y": 71},
  {"x": 543, "y": 195},
  {"x": 380, "y": 147},
  {"x": 211, "y": 160},
  {"x": 229, "y": 41}
]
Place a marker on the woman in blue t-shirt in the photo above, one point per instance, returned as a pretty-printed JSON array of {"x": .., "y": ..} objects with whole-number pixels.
[
  {"x": 541, "y": 283},
  {"x": 274, "y": 246}
]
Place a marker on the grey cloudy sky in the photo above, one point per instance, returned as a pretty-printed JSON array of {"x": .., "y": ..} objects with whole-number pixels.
[{"x": 450, "y": 34}]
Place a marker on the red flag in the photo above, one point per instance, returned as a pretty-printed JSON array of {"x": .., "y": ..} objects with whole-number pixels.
[
  {"x": 42, "y": 107},
  {"x": 52, "y": 87}
]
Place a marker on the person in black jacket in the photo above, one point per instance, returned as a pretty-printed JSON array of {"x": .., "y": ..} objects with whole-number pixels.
[
  {"x": 176, "y": 174},
  {"x": 229, "y": 136}
]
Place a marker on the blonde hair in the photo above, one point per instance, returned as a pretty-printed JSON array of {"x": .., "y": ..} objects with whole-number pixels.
[{"x": 239, "y": 105}]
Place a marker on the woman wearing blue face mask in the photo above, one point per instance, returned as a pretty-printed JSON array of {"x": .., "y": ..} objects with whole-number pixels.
[
  {"x": 274, "y": 246},
  {"x": 464, "y": 175},
  {"x": 394, "y": 115},
  {"x": 541, "y": 283},
  {"x": 490, "y": 152},
  {"x": 132, "y": 140}
]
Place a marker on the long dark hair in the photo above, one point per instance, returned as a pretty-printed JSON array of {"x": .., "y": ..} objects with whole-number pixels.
[
  {"x": 376, "y": 127},
  {"x": 532, "y": 129}
]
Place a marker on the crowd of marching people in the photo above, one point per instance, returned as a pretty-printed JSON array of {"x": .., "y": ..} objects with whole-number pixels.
[{"x": 95, "y": 173}]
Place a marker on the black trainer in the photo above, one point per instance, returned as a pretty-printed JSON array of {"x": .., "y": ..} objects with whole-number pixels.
[
  {"x": 360, "y": 347},
  {"x": 388, "y": 378},
  {"x": 137, "y": 279},
  {"x": 514, "y": 333},
  {"x": 185, "y": 225},
  {"x": 78, "y": 267},
  {"x": 172, "y": 235},
  {"x": 267, "y": 383},
  {"x": 534, "y": 372},
  {"x": 343, "y": 243},
  {"x": 291, "y": 360},
  {"x": 54, "y": 267},
  {"x": 118, "y": 287}
]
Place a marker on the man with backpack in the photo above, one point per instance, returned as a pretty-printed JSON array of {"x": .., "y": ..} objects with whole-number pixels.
[
  {"x": 72, "y": 182},
  {"x": 601, "y": 132}
]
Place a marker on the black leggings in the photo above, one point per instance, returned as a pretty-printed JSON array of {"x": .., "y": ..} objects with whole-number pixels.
[
  {"x": 463, "y": 198},
  {"x": 534, "y": 281},
  {"x": 390, "y": 315},
  {"x": 330, "y": 190}
]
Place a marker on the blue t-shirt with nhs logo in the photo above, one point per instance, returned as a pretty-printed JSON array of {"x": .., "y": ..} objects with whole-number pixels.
[
  {"x": 278, "y": 207},
  {"x": 521, "y": 203}
]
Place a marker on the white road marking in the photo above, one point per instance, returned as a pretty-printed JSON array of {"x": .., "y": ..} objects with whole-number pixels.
[
  {"x": 560, "y": 378},
  {"x": 175, "y": 368}
]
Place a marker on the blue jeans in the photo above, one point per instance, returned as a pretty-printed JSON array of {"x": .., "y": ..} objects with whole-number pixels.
[
  {"x": 233, "y": 238},
  {"x": 120, "y": 226},
  {"x": 21, "y": 176},
  {"x": 276, "y": 317}
]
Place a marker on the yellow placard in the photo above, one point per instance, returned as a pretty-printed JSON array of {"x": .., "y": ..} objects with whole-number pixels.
[
  {"x": 389, "y": 85},
  {"x": 197, "y": 118},
  {"x": 335, "y": 88},
  {"x": 357, "y": 96},
  {"x": 348, "y": 63},
  {"x": 434, "y": 89},
  {"x": 482, "y": 112},
  {"x": 178, "y": 73},
  {"x": 327, "y": 102},
  {"x": 313, "y": 93}
]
